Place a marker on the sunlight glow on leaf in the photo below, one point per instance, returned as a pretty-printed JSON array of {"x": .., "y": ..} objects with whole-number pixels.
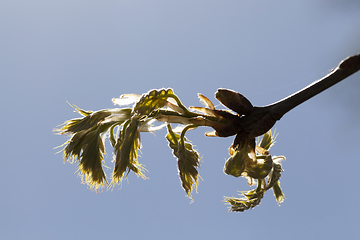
[
  {"x": 188, "y": 159},
  {"x": 123, "y": 127}
]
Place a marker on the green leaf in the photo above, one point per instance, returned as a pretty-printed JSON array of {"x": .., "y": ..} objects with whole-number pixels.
[
  {"x": 267, "y": 140},
  {"x": 152, "y": 101},
  {"x": 279, "y": 195},
  {"x": 92, "y": 160},
  {"x": 87, "y": 148},
  {"x": 275, "y": 173},
  {"x": 91, "y": 119},
  {"x": 86, "y": 144},
  {"x": 126, "y": 152},
  {"x": 78, "y": 124},
  {"x": 274, "y": 182},
  {"x": 249, "y": 200},
  {"x": 188, "y": 159},
  {"x": 235, "y": 165},
  {"x": 266, "y": 169},
  {"x": 261, "y": 169},
  {"x": 112, "y": 135}
]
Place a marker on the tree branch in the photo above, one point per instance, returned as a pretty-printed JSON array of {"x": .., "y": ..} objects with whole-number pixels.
[
  {"x": 262, "y": 119},
  {"x": 346, "y": 68}
]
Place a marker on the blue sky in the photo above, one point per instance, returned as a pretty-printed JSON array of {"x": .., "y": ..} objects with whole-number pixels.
[{"x": 87, "y": 52}]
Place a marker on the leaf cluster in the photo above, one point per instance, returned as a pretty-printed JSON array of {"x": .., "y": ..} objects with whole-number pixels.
[
  {"x": 123, "y": 127},
  {"x": 266, "y": 171}
]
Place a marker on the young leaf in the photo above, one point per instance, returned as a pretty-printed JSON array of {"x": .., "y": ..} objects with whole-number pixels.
[
  {"x": 235, "y": 165},
  {"x": 152, "y": 101},
  {"x": 92, "y": 159},
  {"x": 188, "y": 159},
  {"x": 126, "y": 152},
  {"x": 89, "y": 120},
  {"x": 249, "y": 200},
  {"x": 260, "y": 169},
  {"x": 267, "y": 140},
  {"x": 87, "y": 148}
]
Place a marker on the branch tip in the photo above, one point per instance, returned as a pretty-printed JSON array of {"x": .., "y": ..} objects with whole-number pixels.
[{"x": 352, "y": 62}]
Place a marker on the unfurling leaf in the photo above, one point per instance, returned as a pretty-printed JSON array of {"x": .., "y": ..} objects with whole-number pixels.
[
  {"x": 126, "y": 152},
  {"x": 87, "y": 148},
  {"x": 275, "y": 174},
  {"x": 92, "y": 159},
  {"x": 89, "y": 120},
  {"x": 188, "y": 159},
  {"x": 86, "y": 145},
  {"x": 267, "y": 140},
  {"x": 279, "y": 195},
  {"x": 123, "y": 126},
  {"x": 266, "y": 170},
  {"x": 261, "y": 169},
  {"x": 249, "y": 200},
  {"x": 152, "y": 101},
  {"x": 274, "y": 182},
  {"x": 235, "y": 165}
]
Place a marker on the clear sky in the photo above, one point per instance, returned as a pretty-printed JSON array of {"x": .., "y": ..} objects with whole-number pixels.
[{"x": 87, "y": 52}]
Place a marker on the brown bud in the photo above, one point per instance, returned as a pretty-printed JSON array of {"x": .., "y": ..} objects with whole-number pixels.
[{"x": 234, "y": 101}]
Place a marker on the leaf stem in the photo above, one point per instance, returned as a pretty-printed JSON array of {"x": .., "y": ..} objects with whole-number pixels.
[
  {"x": 172, "y": 133},
  {"x": 182, "y": 136},
  {"x": 179, "y": 103}
]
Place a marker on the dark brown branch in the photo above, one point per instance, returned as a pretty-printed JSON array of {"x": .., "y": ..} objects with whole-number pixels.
[
  {"x": 346, "y": 68},
  {"x": 263, "y": 118}
]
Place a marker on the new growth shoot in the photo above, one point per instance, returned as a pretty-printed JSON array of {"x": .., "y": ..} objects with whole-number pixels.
[{"x": 249, "y": 158}]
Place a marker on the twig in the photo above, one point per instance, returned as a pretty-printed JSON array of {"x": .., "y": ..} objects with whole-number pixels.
[{"x": 262, "y": 119}]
